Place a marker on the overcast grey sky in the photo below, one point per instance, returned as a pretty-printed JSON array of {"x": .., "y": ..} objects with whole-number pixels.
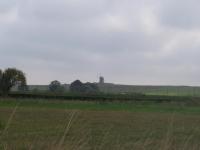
[{"x": 126, "y": 41}]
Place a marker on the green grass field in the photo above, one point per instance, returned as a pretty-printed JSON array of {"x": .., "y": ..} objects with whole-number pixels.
[
  {"x": 75, "y": 125},
  {"x": 143, "y": 89},
  {"x": 152, "y": 90}
]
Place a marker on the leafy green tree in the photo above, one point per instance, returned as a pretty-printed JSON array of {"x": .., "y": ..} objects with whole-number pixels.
[
  {"x": 11, "y": 77},
  {"x": 55, "y": 86}
]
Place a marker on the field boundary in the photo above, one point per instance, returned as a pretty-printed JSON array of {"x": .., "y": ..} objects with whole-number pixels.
[{"x": 108, "y": 97}]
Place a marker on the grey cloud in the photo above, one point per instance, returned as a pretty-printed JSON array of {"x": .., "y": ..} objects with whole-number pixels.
[
  {"x": 5, "y": 6},
  {"x": 180, "y": 13},
  {"x": 134, "y": 42}
]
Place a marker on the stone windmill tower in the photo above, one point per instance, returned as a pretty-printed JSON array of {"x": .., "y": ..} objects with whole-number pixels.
[{"x": 101, "y": 80}]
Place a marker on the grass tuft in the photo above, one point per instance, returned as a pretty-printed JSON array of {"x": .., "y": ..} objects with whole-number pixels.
[{"x": 2, "y": 126}]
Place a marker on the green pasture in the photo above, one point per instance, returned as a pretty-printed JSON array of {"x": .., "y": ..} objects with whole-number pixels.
[{"x": 39, "y": 124}]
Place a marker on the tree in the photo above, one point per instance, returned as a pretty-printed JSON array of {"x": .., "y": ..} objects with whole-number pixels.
[
  {"x": 55, "y": 86},
  {"x": 1, "y": 73},
  {"x": 11, "y": 77},
  {"x": 91, "y": 88},
  {"x": 77, "y": 87}
]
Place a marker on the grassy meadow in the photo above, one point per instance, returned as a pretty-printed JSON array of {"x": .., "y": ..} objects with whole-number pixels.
[{"x": 75, "y": 125}]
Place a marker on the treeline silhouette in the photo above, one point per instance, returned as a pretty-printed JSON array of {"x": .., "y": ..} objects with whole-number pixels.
[{"x": 11, "y": 77}]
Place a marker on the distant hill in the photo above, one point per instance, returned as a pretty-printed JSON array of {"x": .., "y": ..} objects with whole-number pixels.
[
  {"x": 151, "y": 90},
  {"x": 123, "y": 89}
]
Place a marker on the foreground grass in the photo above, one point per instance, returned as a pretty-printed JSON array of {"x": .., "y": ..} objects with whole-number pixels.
[{"x": 75, "y": 125}]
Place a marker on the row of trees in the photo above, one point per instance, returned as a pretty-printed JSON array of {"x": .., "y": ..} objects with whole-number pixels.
[
  {"x": 75, "y": 87},
  {"x": 11, "y": 77}
]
